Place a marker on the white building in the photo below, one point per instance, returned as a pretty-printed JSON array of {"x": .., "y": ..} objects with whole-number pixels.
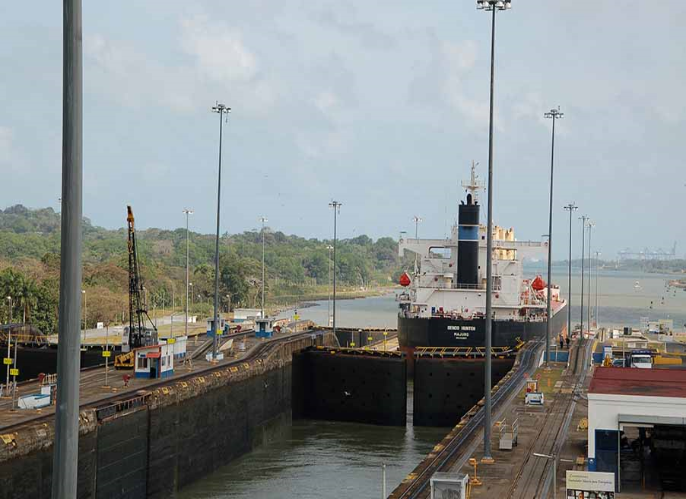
[{"x": 624, "y": 402}]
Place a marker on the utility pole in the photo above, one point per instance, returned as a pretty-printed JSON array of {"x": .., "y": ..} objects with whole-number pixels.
[
  {"x": 328, "y": 316},
  {"x": 571, "y": 207},
  {"x": 66, "y": 447},
  {"x": 583, "y": 219},
  {"x": 336, "y": 210},
  {"x": 555, "y": 115},
  {"x": 597, "y": 257},
  {"x": 590, "y": 263},
  {"x": 223, "y": 111},
  {"x": 263, "y": 220},
  {"x": 8, "y": 359},
  {"x": 493, "y": 6},
  {"x": 187, "y": 212}
]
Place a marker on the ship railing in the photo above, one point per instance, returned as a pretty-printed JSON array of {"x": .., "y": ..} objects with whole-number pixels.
[{"x": 443, "y": 352}]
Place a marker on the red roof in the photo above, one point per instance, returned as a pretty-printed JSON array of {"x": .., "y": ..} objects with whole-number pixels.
[{"x": 640, "y": 382}]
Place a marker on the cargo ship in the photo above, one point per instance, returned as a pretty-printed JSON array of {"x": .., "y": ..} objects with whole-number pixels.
[{"x": 443, "y": 303}]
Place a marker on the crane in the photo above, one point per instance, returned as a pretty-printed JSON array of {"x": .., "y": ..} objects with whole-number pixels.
[{"x": 136, "y": 334}]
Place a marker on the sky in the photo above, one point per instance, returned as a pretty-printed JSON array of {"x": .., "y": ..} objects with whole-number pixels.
[{"x": 381, "y": 105}]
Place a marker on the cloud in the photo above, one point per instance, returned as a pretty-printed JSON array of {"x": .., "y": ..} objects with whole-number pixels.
[
  {"x": 219, "y": 52},
  {"x": 218, "y": 58}
]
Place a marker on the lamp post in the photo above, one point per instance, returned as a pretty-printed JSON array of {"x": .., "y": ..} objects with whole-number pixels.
[
  {"x": 417, "y": 220},
  {"x": 66, "y": 441},
  {"x": 223, "y": 111},
  {"x": 590, "y": 262},
  {"x": 555, "y": 460},
  {"x": 597, "y": 260},
  {"x": 9, "y": 341},
  {"x": 263, "y": 220},
  {"x": 328, "y": 316},
  {"x": 492, "y": 6},
  {"x": 583, "y": 219},
  {"x": 188, "y": 213},
  {"x": 336, "y": 210},
  {"x": 555, "y": 115},
  {"x": 570, "y": 208}
]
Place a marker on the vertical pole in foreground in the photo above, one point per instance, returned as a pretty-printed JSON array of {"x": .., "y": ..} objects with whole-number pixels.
[
  {"x": 221, "y": 109},
  {"x": 554, "y": 114},
  {"x": 570, "y": 208},
  {"x": 66, "y": 448},
  {"x": 336, "y": 208},
  {"x": 583, "y": 219},
  {"x": 187, "y": 212},
  {"x": 590, "y": 263},
  {"x": 493, "y": 6}
]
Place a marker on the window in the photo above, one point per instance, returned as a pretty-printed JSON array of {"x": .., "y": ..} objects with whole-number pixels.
[
  {"x": 440, "y": 252},
  {"x": 142, "y": 363},
  {"x": 164, "y": 361}
]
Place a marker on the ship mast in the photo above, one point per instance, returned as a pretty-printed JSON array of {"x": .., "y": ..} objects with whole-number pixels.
[{"x": 474, "y": 184}]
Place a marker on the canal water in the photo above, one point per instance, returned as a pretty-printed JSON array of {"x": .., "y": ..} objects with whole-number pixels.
[{"x": 321, "y": 459}]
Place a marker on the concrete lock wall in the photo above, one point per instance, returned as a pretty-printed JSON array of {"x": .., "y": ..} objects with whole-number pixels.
[
  {"x": 445, "y": 389},
  {"x": 181, "y": 433},
  {"x": 360, "y": 388}
]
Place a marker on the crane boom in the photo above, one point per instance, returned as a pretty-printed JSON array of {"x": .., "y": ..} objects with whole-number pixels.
[{"x": 138, "y": 334}]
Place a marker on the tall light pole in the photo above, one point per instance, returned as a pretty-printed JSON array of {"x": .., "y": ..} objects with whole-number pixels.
[
  {"x": 328, "y": 317},
  {"x": 417, "y": 220},
  {"x": 555, "y": 115},
  {"x": 223, "y": 111},
  {"x": 263, "y": 220},
  {"x": 492, "y": 6},
  {"x": 187, "y": 212},
  {"x": 590, "y": 263},
  {"x": 571, "y": 207},
  {"x": 583, "y": 219},
  {"x": 336, "y": 210},
  {"x": 66, "y": 447},
  {"x": 9, "y": 340},
  {"x": 597, "y": 259}
]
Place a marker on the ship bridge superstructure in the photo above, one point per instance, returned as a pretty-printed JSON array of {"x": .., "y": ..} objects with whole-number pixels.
[{"x": 449, "y": 278}]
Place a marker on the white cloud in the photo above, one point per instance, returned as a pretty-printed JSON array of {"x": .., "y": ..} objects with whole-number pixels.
[{"x": 219, "y": 51}]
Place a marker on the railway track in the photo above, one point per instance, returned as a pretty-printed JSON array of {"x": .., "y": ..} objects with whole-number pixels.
[
  {"x": 256, "y": 351},
  {"x": 534, "y": 477},
  {"x": 444, "y": 459}
]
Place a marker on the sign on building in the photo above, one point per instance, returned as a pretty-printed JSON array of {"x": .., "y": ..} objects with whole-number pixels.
[{"x": 590, "y": 485}]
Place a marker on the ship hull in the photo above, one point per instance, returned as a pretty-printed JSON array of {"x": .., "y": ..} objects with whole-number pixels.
[{"x": 447, "y": 332}]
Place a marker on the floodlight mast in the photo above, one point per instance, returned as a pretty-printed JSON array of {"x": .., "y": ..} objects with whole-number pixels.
[{"x": 492, "y": 6}]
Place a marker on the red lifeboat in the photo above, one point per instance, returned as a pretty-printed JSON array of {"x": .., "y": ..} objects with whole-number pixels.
[
  {"x": 538, "y": 284},
  {"x": 405, "y": 280}
]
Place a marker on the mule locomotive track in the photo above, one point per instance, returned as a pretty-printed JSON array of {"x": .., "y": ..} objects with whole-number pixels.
[
  {"x": 258, "y": 350},
  {"x": 448, "y": 455}
]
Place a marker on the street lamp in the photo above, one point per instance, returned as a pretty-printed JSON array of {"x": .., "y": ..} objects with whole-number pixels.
[
  {"x": 597, "y": 260},
  {"x": 188, "y": 284},
  {"x": 590, "y": 262},
  {"x": 553, "y": 114},
  {"x": 223, "y": 112},
  {"x": 263, "y": 220},
  {"x": 570, "y": 208},
  {"x": 336, "y": 210},
  {"x": 493, "y": 6},
  {"x": 583, "y": 219},
  {"x": 555, "y": 460},
  {"x": 9, "y": 340},
  {"x": 328, "y": 316}
]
